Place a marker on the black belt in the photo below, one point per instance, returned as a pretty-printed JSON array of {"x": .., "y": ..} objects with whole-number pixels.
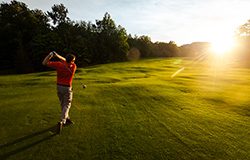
[{"x": 64, "y": 85}]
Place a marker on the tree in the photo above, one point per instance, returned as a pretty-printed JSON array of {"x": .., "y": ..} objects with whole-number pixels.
[
  {"x": 26, "y": 36},
  {"x": 58, "y": 14},
  {"x": 244, "y": 30},
  {"x": 243, "y": 36},
  {"x": 111, "y": 42},
  {"x": 194, "y": 49},
  {"x": 18, "y": 27},
  {"x": 143, "y": 43},
  {"x": 161, "y": 49}
]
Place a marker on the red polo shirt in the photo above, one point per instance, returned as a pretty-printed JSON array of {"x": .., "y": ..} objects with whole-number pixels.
[{"x": 65, "y": 72}]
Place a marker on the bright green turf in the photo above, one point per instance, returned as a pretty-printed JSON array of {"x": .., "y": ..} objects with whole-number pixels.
[{"x": 131, "y": 110}]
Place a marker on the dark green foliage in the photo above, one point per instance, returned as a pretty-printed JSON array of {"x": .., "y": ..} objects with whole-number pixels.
[
  {"x": 165, "y": 49},
  {"x": 111, "y": 41},
  {"x": 58, "y": 14},
  {"x": 143, "y": 43},
  {"x": 19, "y": 26},
  {"x": 150, "y": 49},
  {"x": 27, "y": 36}
]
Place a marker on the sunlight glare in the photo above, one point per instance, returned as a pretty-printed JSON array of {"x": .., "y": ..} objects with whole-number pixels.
[{"x": 222, "y": 46}]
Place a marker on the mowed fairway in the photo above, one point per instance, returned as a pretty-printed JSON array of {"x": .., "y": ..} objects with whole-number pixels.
[{"x": 131, "y": 110}]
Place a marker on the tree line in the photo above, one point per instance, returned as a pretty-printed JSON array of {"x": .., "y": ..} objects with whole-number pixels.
[{"x": 26, "y": 36}]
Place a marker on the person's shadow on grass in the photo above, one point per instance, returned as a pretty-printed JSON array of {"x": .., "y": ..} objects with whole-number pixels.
[{"x": 24, "y": 144}]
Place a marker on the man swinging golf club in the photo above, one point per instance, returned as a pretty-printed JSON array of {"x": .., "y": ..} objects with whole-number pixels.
[{"x": 65, "y": 68}]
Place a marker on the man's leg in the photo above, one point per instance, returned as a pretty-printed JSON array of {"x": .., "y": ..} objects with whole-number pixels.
[
  {"x": 67, "y": 99},
  {"x": 60, "y": 97}
]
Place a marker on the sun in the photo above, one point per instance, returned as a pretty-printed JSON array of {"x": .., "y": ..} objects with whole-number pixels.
[{"x": 221, "y": 47}]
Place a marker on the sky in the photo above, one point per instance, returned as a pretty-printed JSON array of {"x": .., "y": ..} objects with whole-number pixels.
[{"x": 181, "y": 21}]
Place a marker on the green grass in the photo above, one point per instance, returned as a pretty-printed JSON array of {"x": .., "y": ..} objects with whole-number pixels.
[{"x": 131, "y": 110}]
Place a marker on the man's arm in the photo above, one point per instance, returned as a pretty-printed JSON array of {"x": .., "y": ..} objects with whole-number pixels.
[
  {"x": 58, "y": 56},
  {"x": 47, "y": 58},
  {"x": 50, "y": 55}
]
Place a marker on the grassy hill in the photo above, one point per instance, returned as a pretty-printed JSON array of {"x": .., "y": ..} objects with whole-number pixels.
[{"x": 131, "y": 110}]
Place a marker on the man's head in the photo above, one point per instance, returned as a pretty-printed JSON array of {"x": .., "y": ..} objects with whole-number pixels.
[{"x": 70, "y": 58}]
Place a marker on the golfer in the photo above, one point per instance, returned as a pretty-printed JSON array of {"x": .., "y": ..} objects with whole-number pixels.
[{"x": 65, "y": 68}]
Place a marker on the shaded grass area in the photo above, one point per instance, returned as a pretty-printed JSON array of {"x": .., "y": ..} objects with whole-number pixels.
[{"x": 131, "y": 110}]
